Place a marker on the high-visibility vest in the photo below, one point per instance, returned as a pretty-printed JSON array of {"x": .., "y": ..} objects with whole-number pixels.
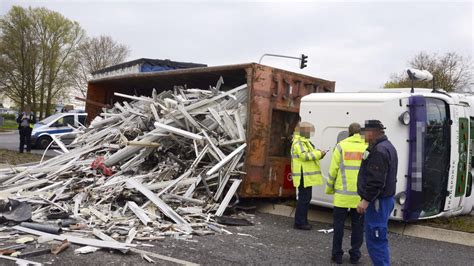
[
  {"x": 345, "y": 163},
  {"x": 305, "y": 162},
  {"x": 31, "y": 117}
]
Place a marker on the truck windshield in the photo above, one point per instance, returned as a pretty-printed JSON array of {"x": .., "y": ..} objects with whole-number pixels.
[{"x": 436, "y": 157}]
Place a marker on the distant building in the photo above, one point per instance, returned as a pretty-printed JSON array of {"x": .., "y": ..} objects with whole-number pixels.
[{"x": 142, "y": 65}]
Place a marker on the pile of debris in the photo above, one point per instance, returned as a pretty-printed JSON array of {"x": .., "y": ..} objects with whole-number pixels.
[{"x": 149, "y": 167}]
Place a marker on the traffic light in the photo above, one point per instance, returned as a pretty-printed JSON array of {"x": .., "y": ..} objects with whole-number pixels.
[{"x": 304, "y": 60}]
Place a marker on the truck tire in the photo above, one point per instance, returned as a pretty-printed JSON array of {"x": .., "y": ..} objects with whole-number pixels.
[{"x": 43, "y": 142}]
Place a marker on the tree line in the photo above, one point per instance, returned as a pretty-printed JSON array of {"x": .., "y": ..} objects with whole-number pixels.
[
  {"x": 44, "y": 56},
  {"x": 451, "y": 71}
]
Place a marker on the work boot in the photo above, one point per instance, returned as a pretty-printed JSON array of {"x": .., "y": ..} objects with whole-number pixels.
[
  {"x": 303, "y": 227},
  {"x": 337, "y": 260},
  {"x": 354, "y": 261}
]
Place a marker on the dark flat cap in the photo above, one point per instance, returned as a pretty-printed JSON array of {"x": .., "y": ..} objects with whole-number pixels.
[{"x": 373, "y": 124}]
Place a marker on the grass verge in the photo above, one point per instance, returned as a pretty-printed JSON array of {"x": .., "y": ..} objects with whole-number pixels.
[
  {"x": 464, "y": 223},
  {"x": 14, "y": 157},
  {"x": 9, "y": 125}
]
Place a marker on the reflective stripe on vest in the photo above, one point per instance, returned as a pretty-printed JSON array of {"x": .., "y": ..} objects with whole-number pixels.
[
  {"x": 293, "y": 155},
  {"x": 307, "y": 173},
  {"x": 343, "y": 168},
  {"x": 306, "y": 154},
  {"x": 331, "y": 186},
  {"x": 332, "y": 178},
  {"x": 301, "y": 146},
  {"x": 348, "y": 193}
]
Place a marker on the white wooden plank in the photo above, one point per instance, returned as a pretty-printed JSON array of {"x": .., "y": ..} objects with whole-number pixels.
[
  {"x": 160, "y": 204},
  {"x": 228, "y": 197},
  {"x": 139, "y": 213},
  {"x": 59, "y": 143},
  {"x": 133, "y": 97},
  {"x": 76, "y": 239},
  {"x": 21, "y": 262},
  {"x": 178, "y": 131},
  {"x": 226, "y": 159}
]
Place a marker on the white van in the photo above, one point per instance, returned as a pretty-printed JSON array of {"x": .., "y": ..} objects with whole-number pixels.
[{"x": 57, "y": 124}]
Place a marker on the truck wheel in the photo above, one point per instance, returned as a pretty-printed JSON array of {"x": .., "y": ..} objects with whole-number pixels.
[{"x": 43, "y": 142}]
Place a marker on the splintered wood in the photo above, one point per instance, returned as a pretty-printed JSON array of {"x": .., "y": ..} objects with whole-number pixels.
[{"x": 147, "y": 168}]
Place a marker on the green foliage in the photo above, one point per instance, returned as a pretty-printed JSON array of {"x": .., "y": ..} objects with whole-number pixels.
[
  {"x": 9, "y": 124},
  {"x": 8, "y": 116},
  {"x": 451, "y": 72},
  {"x": 44, "y": 55},
  {"x": 37, "y": 50}
]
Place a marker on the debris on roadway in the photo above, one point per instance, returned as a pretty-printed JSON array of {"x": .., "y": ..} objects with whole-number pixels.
[{"x": 149, "y": 167}]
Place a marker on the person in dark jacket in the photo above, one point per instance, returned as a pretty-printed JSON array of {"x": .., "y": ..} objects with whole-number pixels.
[
  {"x": 26, "y": 120},
  {"x": 376, "y": 184}
]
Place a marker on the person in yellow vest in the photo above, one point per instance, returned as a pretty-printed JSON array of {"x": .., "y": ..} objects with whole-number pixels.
[
  {"x": 342, "y": 183},
  {"x": 26, "y": 120},
  {"x": 305, "y": 171}
]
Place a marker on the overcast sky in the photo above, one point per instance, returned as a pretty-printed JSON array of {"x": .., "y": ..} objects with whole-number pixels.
[{"x": 356, "y": 44}]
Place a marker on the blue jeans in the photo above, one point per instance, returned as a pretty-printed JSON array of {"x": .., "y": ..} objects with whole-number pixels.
[
  {"x": 376, "y": 230},
  {"x": 357, "y": 236}
]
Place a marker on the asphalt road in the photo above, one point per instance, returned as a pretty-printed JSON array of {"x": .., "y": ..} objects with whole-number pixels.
[
  {"x": 11, "y": 141},
  {"x": 272, "y": 241}
]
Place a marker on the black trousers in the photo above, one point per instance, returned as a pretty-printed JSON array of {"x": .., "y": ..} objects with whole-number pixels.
[
  {"x": 302, "y": 206},
  {"x": 25, "y": 138},
  {"x": 357, "y": 237}
]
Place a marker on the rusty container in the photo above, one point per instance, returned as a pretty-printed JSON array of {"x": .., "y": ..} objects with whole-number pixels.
[{"x": 273, "y": 107}]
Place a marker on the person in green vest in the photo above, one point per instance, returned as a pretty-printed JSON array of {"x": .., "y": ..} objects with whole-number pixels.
[
  {"x": 305, "y": 171},
  {"x": 342, "y": 183}
]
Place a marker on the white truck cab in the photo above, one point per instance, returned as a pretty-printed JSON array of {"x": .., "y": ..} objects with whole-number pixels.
[{"x": 431, "y": 131}]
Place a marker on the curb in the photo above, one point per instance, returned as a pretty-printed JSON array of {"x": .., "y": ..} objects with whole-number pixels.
[
  {"x": 426, "y": 232},
  {"x": 7, "y": 132}
]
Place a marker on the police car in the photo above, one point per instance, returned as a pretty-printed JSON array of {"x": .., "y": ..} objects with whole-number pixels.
[{"x": 57, "y": 124}]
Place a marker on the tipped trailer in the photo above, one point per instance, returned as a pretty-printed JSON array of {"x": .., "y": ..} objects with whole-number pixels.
[{"x": 274, "y": 97}]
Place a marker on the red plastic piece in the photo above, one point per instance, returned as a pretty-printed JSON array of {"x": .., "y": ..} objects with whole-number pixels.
[{"x": 98, "y": 164}]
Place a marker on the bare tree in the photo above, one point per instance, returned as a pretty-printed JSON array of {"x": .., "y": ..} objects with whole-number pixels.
[
  {"x": 451, "y": 71},
  {"x": 94, "y": 54}
]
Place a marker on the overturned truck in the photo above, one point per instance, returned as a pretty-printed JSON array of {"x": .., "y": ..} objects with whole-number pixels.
[{"x": 271, "y": 111}]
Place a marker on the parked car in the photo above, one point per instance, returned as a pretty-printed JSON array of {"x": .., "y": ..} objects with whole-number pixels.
[{"x": 57, "y": 124}]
